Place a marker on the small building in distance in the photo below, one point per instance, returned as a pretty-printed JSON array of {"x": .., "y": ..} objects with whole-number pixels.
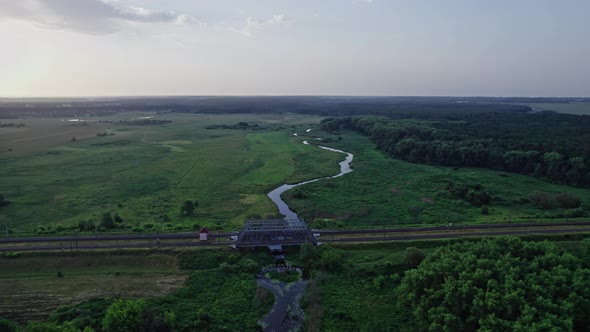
[{"x": 204, "y": 234}]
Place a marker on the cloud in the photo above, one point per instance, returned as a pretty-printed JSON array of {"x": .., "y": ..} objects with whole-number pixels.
[
  {"x": 86, "y": 16},
  {"x": 252, "y": 25}
]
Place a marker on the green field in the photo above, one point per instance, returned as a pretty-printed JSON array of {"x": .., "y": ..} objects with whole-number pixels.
[
  {"x": 145, "y": 173},
  {"x": 383, "y": 191}
]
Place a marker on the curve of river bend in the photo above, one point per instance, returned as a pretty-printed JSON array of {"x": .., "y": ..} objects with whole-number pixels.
[
  {"x": 286, "y": 313},
  {"x": 275, "y": 195}
]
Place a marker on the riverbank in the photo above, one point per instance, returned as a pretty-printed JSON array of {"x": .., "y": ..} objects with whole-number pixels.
[{"x": 275, "y": 195}]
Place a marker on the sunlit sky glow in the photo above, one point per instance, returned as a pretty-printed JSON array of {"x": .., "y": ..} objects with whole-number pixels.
[{"x": 296, "y": 47}]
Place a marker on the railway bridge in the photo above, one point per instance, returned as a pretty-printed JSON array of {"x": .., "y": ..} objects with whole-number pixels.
[{"x": 274, "y": 233}]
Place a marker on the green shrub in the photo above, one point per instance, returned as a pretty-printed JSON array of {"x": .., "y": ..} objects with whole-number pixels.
[
  {"x": 485, "y": 210},
  {"x": 8, "y": 325},
  {"x": 204, "y": 259},
  {"x": 227, "y": 268},
  {"x": 124, "y": 315},
  {"x": 574, "y": 213},
  {"x": 307, "y": 254},
  {"x": 568, "y": 201},
  {"x": 248, "y": 265},
  {"x": 541, "y": 199},
  {"x": 413, "y": 256},
  {"x": 86, "y": 314},
  {"x": 43, "y": 327},
  {"x": 286, "y": 277},
  {"x": 117, "y": 218},
  {"x": 330, "y": 259},
  {"x": 106, "y": 221},
  {"x": 85, "y": 226},
  {"x": 474, "y": 194},
  {"x": 378, "y": 282}
]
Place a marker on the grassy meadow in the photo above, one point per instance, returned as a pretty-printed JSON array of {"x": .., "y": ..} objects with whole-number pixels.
[
  {"x": 145, "y": 173},
  {"x": 383, "y": 191}
]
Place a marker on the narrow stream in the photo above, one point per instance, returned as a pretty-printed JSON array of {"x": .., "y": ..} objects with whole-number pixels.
[
  {"x": 275, "y": 195},
  {"x": 286, "y": 313}
]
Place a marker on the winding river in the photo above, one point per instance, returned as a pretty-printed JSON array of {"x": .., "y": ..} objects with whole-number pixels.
[
  {"x": 275, "y": 195},
  {"x": 286, "y": 313}
]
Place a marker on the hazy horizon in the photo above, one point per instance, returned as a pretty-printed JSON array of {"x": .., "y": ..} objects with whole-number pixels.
[
  {"x": 4, "y": 98},
  {"x": 343, "y": 48}
]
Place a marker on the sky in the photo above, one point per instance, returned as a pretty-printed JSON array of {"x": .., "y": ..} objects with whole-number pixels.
[{"x": 77, "y": 48}]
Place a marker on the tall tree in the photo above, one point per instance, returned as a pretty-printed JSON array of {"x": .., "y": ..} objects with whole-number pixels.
[
  {"x": 107, "y": 220},
  {"x": 124, "y": 315},
  {"x": 3, "y": 201},
  {"x": 187, "y": 208}
]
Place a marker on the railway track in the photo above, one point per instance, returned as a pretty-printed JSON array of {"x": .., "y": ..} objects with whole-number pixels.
[{"x": 181, "y": 240}]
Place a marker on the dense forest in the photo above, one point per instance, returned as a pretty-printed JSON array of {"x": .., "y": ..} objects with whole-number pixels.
[
  {"x": 503, "y": 284},
  {"x": 326, "y": 106},
  {"x": 544, "y": 144}
]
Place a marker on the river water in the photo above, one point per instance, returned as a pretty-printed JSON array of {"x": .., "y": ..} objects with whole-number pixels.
[
  {"x": 286, "y": 313},
  {"x": 275, "y": 195}
]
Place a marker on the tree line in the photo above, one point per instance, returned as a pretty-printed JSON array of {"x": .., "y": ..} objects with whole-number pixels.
[{"x": 545, "y": 145}]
